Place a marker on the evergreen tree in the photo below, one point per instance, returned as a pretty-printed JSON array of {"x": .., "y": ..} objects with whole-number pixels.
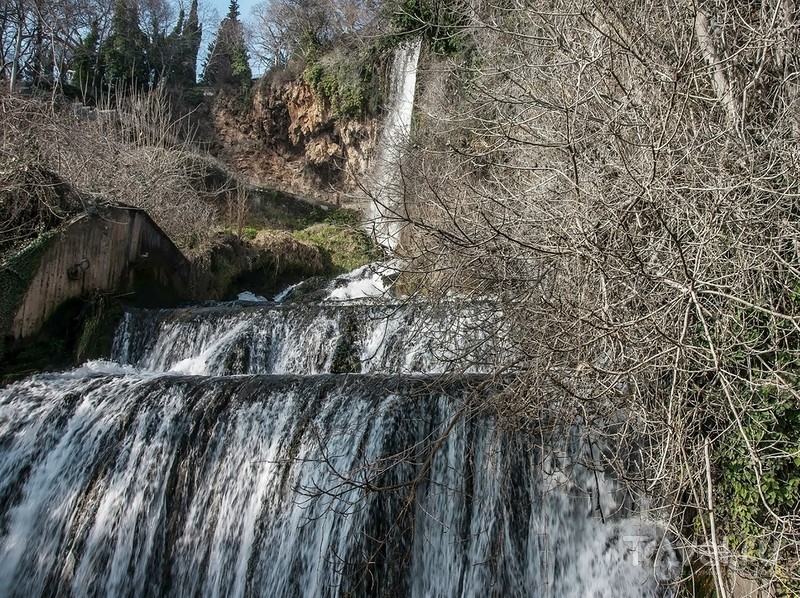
[
  {"x": 125, "y": 52},
  {"x": 228, "y": 62},
  {"x": 174, "y": 57}
]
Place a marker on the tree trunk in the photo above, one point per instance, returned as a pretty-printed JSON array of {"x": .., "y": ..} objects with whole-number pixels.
[{"x": 722, "y": 87}]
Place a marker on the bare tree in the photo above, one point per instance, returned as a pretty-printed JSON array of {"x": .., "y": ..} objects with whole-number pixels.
[
  {"x": 283, "y": 29},
  {"x": 40, "y": 36}
]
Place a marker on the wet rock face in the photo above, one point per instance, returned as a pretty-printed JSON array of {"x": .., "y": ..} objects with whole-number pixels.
[{"x": 285, "y": 136}]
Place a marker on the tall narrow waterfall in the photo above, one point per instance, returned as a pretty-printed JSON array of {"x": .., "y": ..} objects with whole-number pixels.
[
  {"x": 386, "y": 207},
  {"x": 221, "y": 454}
]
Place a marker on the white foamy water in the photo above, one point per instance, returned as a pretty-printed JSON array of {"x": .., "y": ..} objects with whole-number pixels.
[
  {"x": 366, "y": 282},
  {"x": 386, "y": 206},
  {"x": 270, "y": 486},
  {"x": 250, "y": 297},
  {"x": 220, "y": 454}
]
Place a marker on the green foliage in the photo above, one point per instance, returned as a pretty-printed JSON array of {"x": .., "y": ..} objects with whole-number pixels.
[
  {"x": 757, "y": 459},
  {"x": 439, "y": 22},
  {"x": 344, "y": 248},
  {"x": 347, "y": 82},
  {"x": 310, "y": 47},
  {"x": 343, "y": 217},
  {"x": 227, "y": 62},
  {"x": 129, "y": 60},
  {"x": 181, "y": 48},
  {"x": 125, "y": 52},
  {"x": 772, "y": 428},
  {"x": 240, "y": 64},
  {"x": 249, "y": 232},
  {"x": 193, "y": 96}
]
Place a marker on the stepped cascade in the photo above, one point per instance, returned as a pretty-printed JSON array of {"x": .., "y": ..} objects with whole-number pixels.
[{"x": 232, "y": 462}]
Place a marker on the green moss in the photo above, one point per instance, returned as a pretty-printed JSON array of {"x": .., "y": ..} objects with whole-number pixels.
[
  {"x": 34, "y": 358},
  {"x": 99, "y": 320},
  {"x": 249, "y": 232},
  {"x": 78, "y": 330},
  {"x": 343, "y": 217},
  {"x": 347, "y": 81},
  {"x": 344, "y": 248}
]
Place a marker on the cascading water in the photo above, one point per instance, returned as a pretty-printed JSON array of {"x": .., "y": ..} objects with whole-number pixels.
[
  {"x": 341, "y": 447},
  {"x": 386, "y": 211},
  {"x": 134, "y": 477}
]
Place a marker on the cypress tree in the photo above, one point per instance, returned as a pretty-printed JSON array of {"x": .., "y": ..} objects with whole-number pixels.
[{"x": 190, "y": 40}]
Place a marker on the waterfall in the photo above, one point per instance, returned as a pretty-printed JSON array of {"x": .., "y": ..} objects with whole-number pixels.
[
  {"x": 386, "y": 202},
  {"x": 220, "y": 454}
]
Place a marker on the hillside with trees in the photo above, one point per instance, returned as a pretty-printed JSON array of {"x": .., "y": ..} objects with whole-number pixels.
[{"x": 100, "y": 106}]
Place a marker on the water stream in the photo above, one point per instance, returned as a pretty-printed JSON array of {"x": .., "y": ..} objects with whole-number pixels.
[{"x": 386, "y": 201}]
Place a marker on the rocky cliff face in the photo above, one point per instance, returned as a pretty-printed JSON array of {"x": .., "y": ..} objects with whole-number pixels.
[{"x": 284, "y": 136}]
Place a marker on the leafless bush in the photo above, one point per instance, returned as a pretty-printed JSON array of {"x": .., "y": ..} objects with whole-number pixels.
[
  {"x": 32, "y": 200},
  {"x": 135, "y": 154},
  {"x": 624, "y": 177}
]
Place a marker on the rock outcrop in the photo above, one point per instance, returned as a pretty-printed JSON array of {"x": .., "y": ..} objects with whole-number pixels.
[{"x": 283, "y": 135}]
